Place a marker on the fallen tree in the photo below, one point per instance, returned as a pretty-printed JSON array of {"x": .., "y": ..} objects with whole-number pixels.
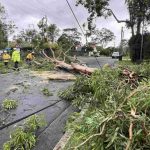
[
  {"x": 72, "y": 67},
  {"x": 56, "y": 62}
]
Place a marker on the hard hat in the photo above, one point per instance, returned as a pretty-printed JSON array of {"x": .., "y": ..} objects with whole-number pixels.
[
  {"x": 14, "y": 48},
  {"x": 5, "y": 51}
]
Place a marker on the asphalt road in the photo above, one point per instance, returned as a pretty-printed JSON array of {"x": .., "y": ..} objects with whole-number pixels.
[
  {"x": 27, "y": 90},
  {"x": 50, "y": 137},
  {"x": 97, "y": 62}
]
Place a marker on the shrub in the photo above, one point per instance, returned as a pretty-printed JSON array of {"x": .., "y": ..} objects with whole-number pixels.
[
  {"x": 23, "y": 138},
  {"x": 135, "y": 47}
]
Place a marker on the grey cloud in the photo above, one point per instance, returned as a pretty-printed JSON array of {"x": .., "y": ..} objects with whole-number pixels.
[
  {"x": 25, "y": 12},
  {"x": 57, "y": 12}
]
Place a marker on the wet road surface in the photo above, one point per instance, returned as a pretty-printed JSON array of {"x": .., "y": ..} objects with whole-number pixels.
[
  {"x": 98, "y": 62},
  {"x": 27, "y": 90}
]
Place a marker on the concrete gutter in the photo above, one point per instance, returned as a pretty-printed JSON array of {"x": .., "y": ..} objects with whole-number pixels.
[{"x": 69, "y": 133}]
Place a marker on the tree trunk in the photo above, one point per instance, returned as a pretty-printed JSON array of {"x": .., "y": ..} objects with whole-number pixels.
[
  {"x": 70, "y": 67},
  {"x": 132, "y": 30},
  {"x": 83, "y": 69},
  {"x": 138, "y": 26}
]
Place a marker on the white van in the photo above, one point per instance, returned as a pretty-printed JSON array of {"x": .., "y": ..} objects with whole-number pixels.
[{"x": 116, "y": 55}]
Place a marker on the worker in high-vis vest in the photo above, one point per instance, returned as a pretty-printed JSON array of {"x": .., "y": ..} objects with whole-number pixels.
[
  {"x": 30, "y": 57},
  {"x": 16, "y": 58},
  {"x": 6, "y": 58}
]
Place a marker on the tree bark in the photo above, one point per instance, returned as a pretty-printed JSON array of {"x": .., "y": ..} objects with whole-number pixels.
[
  {"x": 132, "y": 30},
  {"x": 83, "y": 69},
  {"x": 138, "y": 26}
]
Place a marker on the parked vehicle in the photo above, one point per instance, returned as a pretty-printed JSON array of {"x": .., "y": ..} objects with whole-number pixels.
[{"x": 116, "y": 55}]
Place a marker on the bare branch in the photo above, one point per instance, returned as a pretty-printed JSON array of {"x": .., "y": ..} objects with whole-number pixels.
[
  {"x": 53, "y": 54},
  {"x": 57, "y": 62},
  {"x": 65, "y": 54},
  {"x": 130, "y": 136},
  {"x": 52, "y": 60},
  {"x": 103, "y": 127},
  {"x": 59, "y": 54},
  {"x": 119, "y": 21}
]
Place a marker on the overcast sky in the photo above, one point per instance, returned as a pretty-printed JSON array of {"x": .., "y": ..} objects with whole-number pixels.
[{"x": 25, "y": 12}]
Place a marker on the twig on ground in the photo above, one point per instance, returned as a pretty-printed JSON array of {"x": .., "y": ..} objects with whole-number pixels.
[
  {"x": 130, "y": 136},
  {"x": 92, "y": 136}
]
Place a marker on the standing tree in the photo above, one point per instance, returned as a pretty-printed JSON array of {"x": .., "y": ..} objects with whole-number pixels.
[
  {"x": 64, "y": 42},
  {"x": 28, "y": 38},
  {"x": 27, "y": 35},
  {"x": 69, "y": 37},
  {"x": 6, "y": 28},
  {"x": 48, "y": 32},
  {"x": 52, "y": 32},
  {"x": 43, "y": 28},
  {"x": 103, "y": 36},
  {"x": 3, "y": 28},
  {"x": 139, "y": 12},
  {"x": 73, "y": 34}
]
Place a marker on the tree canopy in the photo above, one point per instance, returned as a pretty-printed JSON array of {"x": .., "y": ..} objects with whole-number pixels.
[
  {"x": 6, "y": 27},
  {"x": 3, "y": 32},
  {"x": 103, "y": 36},
  {"x": 139, "y": 11},
  {"x": 139, "y": 14}
]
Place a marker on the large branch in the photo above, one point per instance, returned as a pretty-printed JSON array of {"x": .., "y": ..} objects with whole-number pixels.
[
  {"x": 83, "y": 69},
  {"x": 119, "y": 21},
  {"x": 58, "y": 63},
  {"x": 49, "y": 58}
]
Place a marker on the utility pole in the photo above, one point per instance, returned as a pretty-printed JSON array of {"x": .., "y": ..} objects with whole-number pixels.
[
  {"x": 114, "y": 41},
  {"x": 121, "y": 44}
]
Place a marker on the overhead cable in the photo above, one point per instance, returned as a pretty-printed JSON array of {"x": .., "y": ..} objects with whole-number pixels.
[{"x": 75, "y": 17}]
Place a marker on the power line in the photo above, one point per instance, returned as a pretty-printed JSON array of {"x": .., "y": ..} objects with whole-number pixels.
[
  {"x": 80, "y": 27},
  {"x": 22, "y": 118},
  {"x": 75, "y": 16}
]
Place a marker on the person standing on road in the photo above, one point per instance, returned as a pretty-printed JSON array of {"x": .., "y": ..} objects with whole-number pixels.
[
  {"x": 30, "y": 58},
  {"x": 16, "y": 58},
  {"x": 6, "y": 58}
]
